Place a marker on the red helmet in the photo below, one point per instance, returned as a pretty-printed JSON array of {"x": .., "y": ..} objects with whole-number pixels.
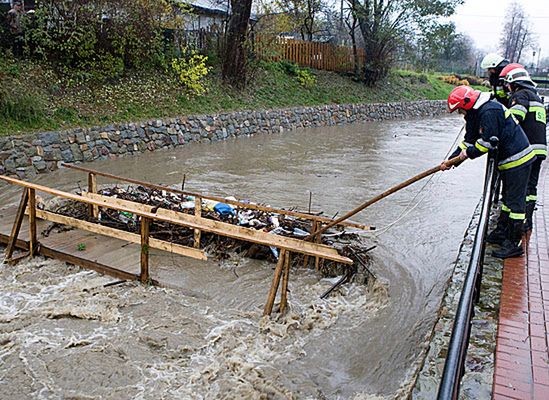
[
  {"x": 463, "y": 97},
  {"x": 509, "y": 68}
]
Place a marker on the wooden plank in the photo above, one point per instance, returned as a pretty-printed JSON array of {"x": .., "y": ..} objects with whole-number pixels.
[
  {"x": 198, "y": 213},
  {"x": 84, "y": 263},
  {"x": 127, "y": 236},
  {"x": 92, "y": 188},
  {"x": 274, "y": 285},
  {"x": 221, "y": 228},
  {"x": 145, "y": 225},
  {"x": 191, "y": 221},
  {"x": 17, "y": 224},
  {"x": 33, "y": 242},
  {"x": 285, "y": 278},
  {"x": 220, "y": 199}
]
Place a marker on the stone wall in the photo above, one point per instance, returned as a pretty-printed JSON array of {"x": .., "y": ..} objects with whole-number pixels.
[{"x": 42, "y": 152}]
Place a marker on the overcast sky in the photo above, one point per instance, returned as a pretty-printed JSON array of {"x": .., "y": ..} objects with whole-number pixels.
[{"x": 483, "y": 20}]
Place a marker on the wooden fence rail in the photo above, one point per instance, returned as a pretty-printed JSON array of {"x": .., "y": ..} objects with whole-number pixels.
[
  {"x": 324, "y": 56},
  {"x": 315, "y": 55}
]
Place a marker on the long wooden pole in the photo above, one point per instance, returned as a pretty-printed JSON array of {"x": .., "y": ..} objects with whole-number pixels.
[{"x": 388, "y": 192}]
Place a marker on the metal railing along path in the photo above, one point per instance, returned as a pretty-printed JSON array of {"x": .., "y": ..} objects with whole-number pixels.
[{"x": 459, "y": 341}]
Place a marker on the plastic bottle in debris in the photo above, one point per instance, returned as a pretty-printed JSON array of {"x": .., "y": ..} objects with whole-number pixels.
[{"x": 126, "y": 217}]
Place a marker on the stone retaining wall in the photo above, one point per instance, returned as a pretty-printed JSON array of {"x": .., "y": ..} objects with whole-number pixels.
[{"x": 44, "y": 152}]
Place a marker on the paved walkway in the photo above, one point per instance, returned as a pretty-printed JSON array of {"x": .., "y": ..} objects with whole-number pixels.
[{"x": 522, "y": 357}]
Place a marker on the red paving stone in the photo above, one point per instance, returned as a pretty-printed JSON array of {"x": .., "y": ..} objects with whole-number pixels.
[{"x": 522, "y": 356}]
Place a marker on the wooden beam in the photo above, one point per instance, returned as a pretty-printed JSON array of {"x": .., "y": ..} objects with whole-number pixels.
[
  {"x": 221, "y": 199},
  {"x": 217, "y": 227},
  {"x": 81, "y": 262},
  {"x": 145, "y": 225},
  {"x": 92, "y": 188},
  {"x": 220, "y": 228},
  {"x": 17, "y": 224},
  {"x": 198, "y": 213},
  {"x": 127, "y": 236},
  {"x": 33, "y": 242},
  {"x": 285, "y": 279},
  {"x": 84, "y": 263},
  {"x": 274, "y": 285}
]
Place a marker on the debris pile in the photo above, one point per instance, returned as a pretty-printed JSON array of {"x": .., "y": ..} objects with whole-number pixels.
[{"x": 348, "y": 244}]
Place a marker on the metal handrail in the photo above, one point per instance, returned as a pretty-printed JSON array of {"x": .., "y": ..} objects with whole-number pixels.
[{"x": 459, "y": 341}]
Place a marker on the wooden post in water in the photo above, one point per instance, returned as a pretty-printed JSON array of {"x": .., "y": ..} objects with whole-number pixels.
[
  {"x": 198, "y": 213},
  {"x": 145, "y": 224},
  {"x": 32, "y": 223},
  {"x": 285, "y": 278},
  {"x": 274, "y": 286},
  {"x": 17, "y": 223},
  {"x": 93, "y": 211}
]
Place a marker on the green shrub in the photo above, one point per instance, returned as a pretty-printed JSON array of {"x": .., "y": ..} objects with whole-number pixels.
[
  {"x": 98, "y": 39},
  {"x": 191, "y": 71},
  {"x": 306, "y": 78}
]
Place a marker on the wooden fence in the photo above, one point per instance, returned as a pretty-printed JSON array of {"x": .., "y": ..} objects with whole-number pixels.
[{"x": 315, "y": 55}]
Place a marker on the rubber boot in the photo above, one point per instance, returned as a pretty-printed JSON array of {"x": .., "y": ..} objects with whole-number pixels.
[
  {"x": 512, "y": 246},
  {"x": 528, "y": 223},
  {"x": 500, "y": 233}
]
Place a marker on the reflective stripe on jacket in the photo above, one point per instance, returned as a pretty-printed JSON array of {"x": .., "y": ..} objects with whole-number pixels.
[
  {"x": 493, "y": 119},
  {"x": 529, "y": 110}
]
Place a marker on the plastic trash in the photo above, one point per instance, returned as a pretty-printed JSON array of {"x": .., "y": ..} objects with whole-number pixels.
[
  {"x": 127, "y": 217},
  {"x": 186, "y": 205},
  {"x": 209, "y": 204},
  {"x": 224, "y": 209},
  {"x": 274, "y": 221},
  {"x": 300, "y": 232}
]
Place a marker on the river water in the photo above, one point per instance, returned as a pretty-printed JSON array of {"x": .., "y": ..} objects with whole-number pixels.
[{"x": 63, "y": 334}]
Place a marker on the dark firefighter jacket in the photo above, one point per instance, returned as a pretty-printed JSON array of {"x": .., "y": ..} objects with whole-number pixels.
[
  {"x": 493, "y": 119},
  {"x": 497, "y": 87},
  {"x": 529, "y": 110}
]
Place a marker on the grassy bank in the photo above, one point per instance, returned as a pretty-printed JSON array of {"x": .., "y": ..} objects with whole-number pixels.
[{"x": 34, "y": 98}]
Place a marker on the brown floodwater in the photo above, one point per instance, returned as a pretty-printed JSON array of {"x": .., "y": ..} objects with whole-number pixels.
[{"x": 63, "y": 334}]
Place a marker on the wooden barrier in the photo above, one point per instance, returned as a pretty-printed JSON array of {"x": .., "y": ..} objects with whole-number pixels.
[
  {"x": 149, "y": 214},
  {"x": 250, "y": 206}
]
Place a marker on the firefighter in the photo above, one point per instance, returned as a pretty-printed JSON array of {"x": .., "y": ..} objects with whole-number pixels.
[
  {"x": 486, "y": 118},
  {"x": 528, "y": 108},
  {"x": 494, "y": 63}
]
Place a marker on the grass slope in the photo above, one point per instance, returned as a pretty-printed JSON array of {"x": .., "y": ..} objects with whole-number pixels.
[{"x": 34, "y": 98}]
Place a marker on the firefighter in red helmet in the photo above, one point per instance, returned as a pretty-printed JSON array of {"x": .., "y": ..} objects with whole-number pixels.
[{"x": 485, "y": 118}]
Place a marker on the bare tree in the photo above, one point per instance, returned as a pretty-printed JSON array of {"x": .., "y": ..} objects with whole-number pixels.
[
  {"x": 305, "y": 15},
  {"x": 384, "y": 25},
  {"x": 517, "y": 34}
]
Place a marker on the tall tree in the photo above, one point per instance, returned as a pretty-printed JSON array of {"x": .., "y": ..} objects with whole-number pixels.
[
  {"x": 235, "y": 60},
  {"x": 440, "y": 47},
  {"x": 305, "y": 15},
  {"x": 385, "y": 24},
  {"x": 517, "y": 34}
]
